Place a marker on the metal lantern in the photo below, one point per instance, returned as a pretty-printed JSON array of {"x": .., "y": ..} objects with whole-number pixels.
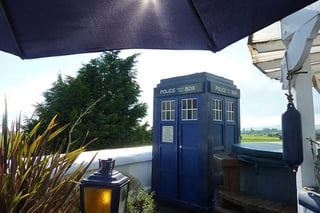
[{"x": 105, "y": 191}]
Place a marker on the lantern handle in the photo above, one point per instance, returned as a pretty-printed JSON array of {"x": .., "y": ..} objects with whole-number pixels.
[{"x": 106, "y": 166}]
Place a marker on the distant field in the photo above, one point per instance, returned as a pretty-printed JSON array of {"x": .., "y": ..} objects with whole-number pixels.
[{"x": 258, "y": 138}]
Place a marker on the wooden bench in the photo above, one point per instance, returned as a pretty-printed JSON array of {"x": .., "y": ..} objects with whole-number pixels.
[{"x": 231, "y": 201}]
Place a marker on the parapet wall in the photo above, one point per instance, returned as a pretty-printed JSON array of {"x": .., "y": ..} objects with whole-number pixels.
[{"x": 136, "y": 161}]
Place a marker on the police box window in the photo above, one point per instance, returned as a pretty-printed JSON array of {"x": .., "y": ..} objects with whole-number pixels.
[
  {"x": 189, "y": 109},
  {"x": 217, "y": 109},
  {"x": 230, "y": 111},
  {"x": 168, "y": 109}
]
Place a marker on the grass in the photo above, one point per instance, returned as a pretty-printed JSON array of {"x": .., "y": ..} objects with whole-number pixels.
[{"x": 259, "y": 138}]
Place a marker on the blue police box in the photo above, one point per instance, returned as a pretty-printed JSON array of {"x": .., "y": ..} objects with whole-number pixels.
[{"x": 194, "y": 117}]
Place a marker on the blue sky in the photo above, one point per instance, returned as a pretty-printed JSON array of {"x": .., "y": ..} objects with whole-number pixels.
[{"x": 262, "y": 99}]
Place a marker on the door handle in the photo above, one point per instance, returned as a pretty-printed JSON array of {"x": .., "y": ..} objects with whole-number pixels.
[{"x": 180, "y": 147}]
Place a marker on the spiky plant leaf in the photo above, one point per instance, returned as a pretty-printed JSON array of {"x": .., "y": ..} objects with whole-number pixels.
[{"x": 32, "y": 180}]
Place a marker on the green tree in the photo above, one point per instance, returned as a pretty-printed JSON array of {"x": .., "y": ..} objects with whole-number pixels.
[{"x": 105, "y": 95}]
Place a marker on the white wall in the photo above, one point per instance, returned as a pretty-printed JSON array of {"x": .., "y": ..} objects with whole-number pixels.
[{"x": 136, "y": 161}]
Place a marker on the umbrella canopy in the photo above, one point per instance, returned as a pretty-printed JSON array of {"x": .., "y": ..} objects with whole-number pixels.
[{"x": 37, "y": 28}]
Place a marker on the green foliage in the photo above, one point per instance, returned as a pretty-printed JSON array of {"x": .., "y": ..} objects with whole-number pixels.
[
  {"x": 141, "y": 135},
  {"x": 30, "y": 180},
  {"x": 140, "y": 201},
  {"x": 318, "y": 135},
  {"x": 114, "y": 119},
  {"x": 263, "y": 131}
]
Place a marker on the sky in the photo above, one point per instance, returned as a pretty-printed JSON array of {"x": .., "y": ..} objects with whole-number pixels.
[{"x": 262, "y": 100}]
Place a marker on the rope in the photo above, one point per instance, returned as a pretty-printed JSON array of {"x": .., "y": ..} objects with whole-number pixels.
[{"x": 290, "y": 75}]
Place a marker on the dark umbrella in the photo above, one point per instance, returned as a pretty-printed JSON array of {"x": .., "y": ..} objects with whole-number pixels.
[{"x": 40, "y": 28}]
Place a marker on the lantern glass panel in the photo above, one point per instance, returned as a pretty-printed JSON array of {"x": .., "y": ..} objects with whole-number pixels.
[
  {"x": 123, "y": 198},
  {"x": 97, "y": 200}
]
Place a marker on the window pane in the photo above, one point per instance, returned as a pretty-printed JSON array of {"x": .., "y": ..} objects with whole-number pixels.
[
  {"x": 195, "y": 103},
  {"x": 189, "y": 109},
  {"x": 195, "y": 114},
  {"x": 230, "y": 111},
  {"x": 217, "y": 110},
  {"x": 168, "y": 110},
  {"x": 173, "y": 104},
  {"x": 184, "y": 115}
]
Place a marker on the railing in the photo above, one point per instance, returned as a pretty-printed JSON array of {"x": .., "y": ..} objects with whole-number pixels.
[{"x": 136, "y": 161}]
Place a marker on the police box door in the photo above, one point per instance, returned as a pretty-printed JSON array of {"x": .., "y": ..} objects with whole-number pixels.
[
  {"x": 178, "y": 152},
  {"x": 167, "y": 146},
  {"x": 224, "y": 122},
  {"x": 224, "y": 129},
  {"x": 190, "y": 154}
]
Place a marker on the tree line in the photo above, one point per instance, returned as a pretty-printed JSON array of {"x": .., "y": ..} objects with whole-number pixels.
[{"x": 272, "y": 132}]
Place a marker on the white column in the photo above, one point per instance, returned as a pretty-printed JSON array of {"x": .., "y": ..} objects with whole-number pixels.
[{"x": 302, "y": 94}]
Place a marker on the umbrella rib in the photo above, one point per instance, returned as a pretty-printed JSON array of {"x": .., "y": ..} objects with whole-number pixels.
[
  {"x": 18, "y": 48},
  {"x": 202, "y": 25}
]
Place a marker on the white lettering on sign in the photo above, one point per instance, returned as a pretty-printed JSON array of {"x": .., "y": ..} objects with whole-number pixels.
[
  {"x": 225, "y": 90},
  {"x": 167, "y": 91},
  {"x": 220, "y": 89},
  {"x": 234, "y": 92},
  {"x": 189, "y": 88}
]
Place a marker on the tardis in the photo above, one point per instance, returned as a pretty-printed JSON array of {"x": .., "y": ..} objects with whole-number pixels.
[{"x": 194, "y": 117}]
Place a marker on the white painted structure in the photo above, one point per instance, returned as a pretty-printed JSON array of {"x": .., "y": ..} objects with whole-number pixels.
[
  {"x": 136, "y": 161},
  {"x": 295, "y": 47}
]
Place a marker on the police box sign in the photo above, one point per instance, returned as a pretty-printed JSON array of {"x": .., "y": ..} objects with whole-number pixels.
[
  {"x": 184, "y": 89},
  {"x": 223, "y": 90}
]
